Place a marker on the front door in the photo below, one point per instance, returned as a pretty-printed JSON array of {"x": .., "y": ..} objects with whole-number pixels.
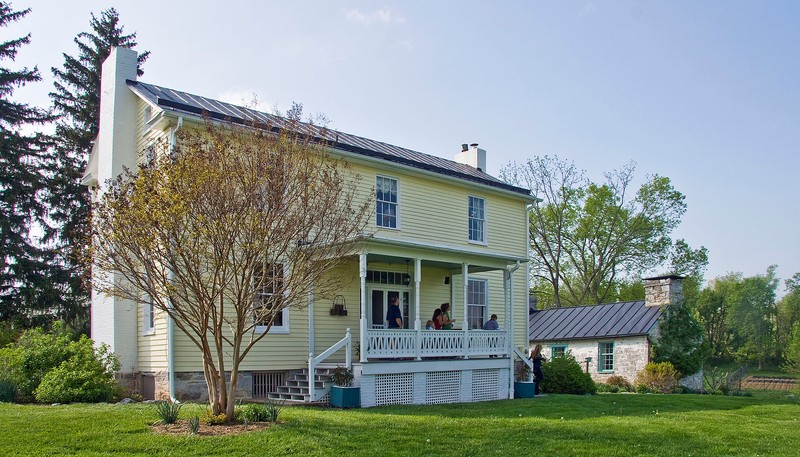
[{"x": 379, "y": 305}]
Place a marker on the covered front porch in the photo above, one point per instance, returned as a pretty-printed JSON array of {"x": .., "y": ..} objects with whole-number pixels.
[{"x": 419, "y": 366}]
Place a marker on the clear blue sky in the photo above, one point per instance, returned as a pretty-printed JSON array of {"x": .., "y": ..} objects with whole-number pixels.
[{"x": 704, "y": 92}]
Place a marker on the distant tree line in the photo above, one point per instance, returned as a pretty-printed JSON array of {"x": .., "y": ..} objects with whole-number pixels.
[{"x": 591, "y": 242}]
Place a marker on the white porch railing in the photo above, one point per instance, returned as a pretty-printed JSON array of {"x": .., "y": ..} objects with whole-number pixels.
[
  {"x": 435, "y": 343},
  {"x": 314, "y": 361}
]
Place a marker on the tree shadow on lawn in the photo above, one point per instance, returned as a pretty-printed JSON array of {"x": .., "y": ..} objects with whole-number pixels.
[{"x": 591, "y": 406}]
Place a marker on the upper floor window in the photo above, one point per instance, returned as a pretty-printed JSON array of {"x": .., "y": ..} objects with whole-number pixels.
[
  {"x": 386, "y": 202},
  {"x": 269, "y": 303},
  {"x": 477, "y": 219}
]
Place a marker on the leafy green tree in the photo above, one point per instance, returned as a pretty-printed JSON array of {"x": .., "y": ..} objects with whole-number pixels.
[
  {"x": 788, "y": 312},
  {"x": 712, "y": 309},
  {"x": 792, "y": 355},
  {"x": 25, "y": 289},
  {"x": 680, "y": 340},
  {"x": 752, "y": 316},
  {"x": 588, "y": 237},
  {"x": 76, "y": 100}
]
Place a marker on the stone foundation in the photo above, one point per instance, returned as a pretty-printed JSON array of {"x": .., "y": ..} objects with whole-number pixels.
[{"x": 191, "y": 386}]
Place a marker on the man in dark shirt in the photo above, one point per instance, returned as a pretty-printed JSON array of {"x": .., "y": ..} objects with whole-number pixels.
[{"x": 393, "y": 315}]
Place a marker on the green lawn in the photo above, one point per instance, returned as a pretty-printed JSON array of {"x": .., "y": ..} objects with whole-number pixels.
[{"x": 767, "y": 423}]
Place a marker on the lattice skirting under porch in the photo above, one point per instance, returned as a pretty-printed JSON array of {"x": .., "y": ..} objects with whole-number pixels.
[{"x": 434, "y": 387}]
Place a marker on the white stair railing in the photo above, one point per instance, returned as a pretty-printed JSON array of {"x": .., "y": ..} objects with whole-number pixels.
[
  {"x": 527, "y": 361},
  {"x": 347, "y": 342}
]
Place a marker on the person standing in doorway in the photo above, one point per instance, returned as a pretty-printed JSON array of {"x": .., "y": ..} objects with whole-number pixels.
[
  {"x": 393, "y": 315},
  {"x": 538, "y": 374},
  {"x": 447, "y": 323}
]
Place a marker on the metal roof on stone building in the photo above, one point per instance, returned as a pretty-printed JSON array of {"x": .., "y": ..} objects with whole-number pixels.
[
  {"x": 183, "y": 102},
  {"x": 591, "y": 322}
]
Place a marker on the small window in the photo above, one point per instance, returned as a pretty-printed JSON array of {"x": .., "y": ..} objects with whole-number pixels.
[
  {"x": 477, "y": 219},
  {"x": 386, "y": 202},
  {"x": 148, "y": 113},
  {"x": 268, "y": 283},
  {"x": 605, "y": 357},
  {"x": 477, "y": 301},
  {"x": 148, "y": 316},
  {"x": 558, "y": 350}
]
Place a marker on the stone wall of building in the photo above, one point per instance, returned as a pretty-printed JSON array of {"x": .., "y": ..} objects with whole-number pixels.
[
  {"x": 630, "y": 356},
  {"x": 191, "y": 386}
]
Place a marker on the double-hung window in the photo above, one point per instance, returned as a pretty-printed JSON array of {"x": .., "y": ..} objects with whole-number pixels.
[
  {"x": 477, "y": 300},
  {"x": 605, "y": 357},
  {"x": 558, "y": 350},
  {"x": 269, "y": 303},
  {"x": 477, "y": 219},
  {"x": 386, "y": 202}
]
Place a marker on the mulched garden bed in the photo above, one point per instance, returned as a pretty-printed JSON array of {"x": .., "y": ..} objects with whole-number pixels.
[{"x": 236, "y": 428}]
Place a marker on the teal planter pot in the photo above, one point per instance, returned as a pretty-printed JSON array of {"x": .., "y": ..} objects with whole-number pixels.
[
  {"x": 345, "y": 397},
  {"x": 524, "y": 389}
]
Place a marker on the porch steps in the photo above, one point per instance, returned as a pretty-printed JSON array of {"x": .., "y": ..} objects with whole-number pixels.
[{"x": 295, "y": 388}]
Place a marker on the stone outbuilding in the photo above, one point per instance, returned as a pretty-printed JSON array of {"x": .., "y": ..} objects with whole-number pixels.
[{"x": 607, "y": 339}]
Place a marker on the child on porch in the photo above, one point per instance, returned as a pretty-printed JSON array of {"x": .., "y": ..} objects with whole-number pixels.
[
  {"x": 437, "y": 319},
  {"x": 429, "y": 325},
  {"x": 447, "y": 323}
]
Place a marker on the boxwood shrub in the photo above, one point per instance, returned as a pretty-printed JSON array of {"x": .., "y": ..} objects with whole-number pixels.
[{"x": 564, "y": 375}]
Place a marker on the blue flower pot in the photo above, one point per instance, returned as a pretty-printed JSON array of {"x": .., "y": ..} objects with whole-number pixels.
[
  {"x": 345, "y": 397},
  {"x": 524, "y": 389}
]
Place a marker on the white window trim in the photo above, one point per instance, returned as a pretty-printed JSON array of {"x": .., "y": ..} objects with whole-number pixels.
[
  {"x": 485, "y": 241},
  {"x": 399, "y": 202},
  {"x": 485, "y": 305},
  {"x": 148, "y": 314},
  {"x": 278, "y": 329}
]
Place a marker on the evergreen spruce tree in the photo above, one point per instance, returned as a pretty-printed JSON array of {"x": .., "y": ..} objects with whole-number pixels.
[
  {"x": 25, "y": 289},
  {"x": 76, "y": 100}
]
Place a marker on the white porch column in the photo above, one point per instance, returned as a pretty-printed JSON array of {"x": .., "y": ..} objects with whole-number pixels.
[
  {"x": 465, "y": 274},
  {"x": 311, "y": 320},
  {"x": 417, "y": 279},
  {"x": 362, "y": 273},
  {"x": 510, "y": 334},
  {"x": 417, "y": 322}
]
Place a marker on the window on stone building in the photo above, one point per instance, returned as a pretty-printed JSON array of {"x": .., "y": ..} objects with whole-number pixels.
[
  {"x": 605, "y": 357},
  {"x": 558, "y": 350}
]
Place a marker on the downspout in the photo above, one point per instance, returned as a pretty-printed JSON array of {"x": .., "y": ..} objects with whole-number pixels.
[{"x": 170, "y": 326}]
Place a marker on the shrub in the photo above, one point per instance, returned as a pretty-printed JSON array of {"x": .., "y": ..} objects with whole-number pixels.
[
  {"x": 620, "y": 382},
  {"x": 87, "y": 376},
  {"x": 167, "y": 411},
  {"x": 522, "y": 372},
  {"x": 608, "y": 388},
  {"x": 209, "y": 418},
  {"x": 35, "y": 354},
  {"x": 659, "y": 377},
  {"x": 564, "y": 375},
  {"x": 680, "y": 340},
  {"x": 260, "y": 412},
  {"x": 8, "y": 391},
  {"x": 342, "y": 377}
]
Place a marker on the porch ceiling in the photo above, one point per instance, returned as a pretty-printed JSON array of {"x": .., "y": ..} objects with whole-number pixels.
[{"x": 399, "y": 260}]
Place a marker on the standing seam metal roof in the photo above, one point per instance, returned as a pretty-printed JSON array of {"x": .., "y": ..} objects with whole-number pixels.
[
  {"x": 178, "y": 101},
  {"x": 596, "y": 321}
]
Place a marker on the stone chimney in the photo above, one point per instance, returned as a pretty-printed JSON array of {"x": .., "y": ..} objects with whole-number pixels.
[
  {"x": 663, "y": 290},
  {"x": 473, "y": 156}
]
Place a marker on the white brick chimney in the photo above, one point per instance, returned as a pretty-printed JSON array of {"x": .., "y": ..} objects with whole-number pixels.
[
  {"x": 663, "y": 290},
  {"x": 473, "y": 156},
  {"x": 113, "y": 320}
]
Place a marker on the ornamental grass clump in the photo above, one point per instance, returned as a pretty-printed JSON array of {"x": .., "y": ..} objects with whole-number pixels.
[
  {"x": 167, "y": 411},
  {"x": 194, "y": 425}
]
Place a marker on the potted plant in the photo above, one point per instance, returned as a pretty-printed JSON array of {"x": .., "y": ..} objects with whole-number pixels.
[
  {"x": 343, "y": 394},
  {"x": 524, "y": 387}
]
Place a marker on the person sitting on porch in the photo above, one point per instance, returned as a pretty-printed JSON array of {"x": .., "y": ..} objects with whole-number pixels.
[
  {"x": 447, "y": 323},
  {"x": 492, "y": 324},
  {"x": 393, "y": 315},
  {"x": 429, "y": 325},
  {"x": 437, "y": 319}
]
